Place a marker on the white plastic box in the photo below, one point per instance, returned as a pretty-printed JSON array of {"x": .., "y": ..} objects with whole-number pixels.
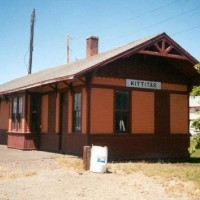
[{"x": 99, "y": 157}]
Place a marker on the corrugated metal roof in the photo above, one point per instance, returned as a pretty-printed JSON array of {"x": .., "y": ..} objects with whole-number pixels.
[{"x": 68, "y": 71}]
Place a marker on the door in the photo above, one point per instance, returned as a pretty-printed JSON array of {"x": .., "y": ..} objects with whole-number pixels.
[
  {"x": 35, "y": 113},
  {"x": 35, "y": 118},
  {"x": 63, "y": 120}
]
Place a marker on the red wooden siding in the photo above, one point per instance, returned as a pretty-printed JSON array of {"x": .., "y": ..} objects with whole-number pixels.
[
  {"x": 109, "y": 81},
  {"x": 4, "y": 115},
  {"x": 70, "y": 110},
  {"x": 4, "y": 118},
  {"x": 49, "y": 142},
  {"x": 52, "y": 113},
  {"x": 57, "y": 128},
  {"x": 143, "y": 146},
  {"x": 102, "y": 110},
  {"x": 84, "y": 111},
  {"x": 142, "y": 112},
  {"x": 162, "y": 113},
  {"x": 143, "y": 68},
  {"x": 174, "y": 87},
  {"x": 24, "y": 141},
  {"x": 44, "y": 114},
  {"x": 179, "y": 113}
]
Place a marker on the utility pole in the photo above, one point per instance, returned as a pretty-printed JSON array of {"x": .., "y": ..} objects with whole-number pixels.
[
  {"x": 31, "y": 41},
  {"x": 68, "y": 49}
]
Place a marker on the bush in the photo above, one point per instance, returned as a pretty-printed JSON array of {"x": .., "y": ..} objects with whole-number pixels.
[
  {"x": 194, "y": 143},
  {"x": 196, "y": 124}
]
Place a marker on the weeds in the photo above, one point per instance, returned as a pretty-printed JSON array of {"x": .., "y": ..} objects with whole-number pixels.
[
  {"x": 31, "y": 173},
  {"x": 175, "y": 177},
  {"x": 70, "y": 163}
]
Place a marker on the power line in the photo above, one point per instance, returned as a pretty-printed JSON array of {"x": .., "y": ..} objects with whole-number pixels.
[
  {"x": 25, "y": 59},
  {"x": 186, "y": 30},
  {"x": 152, "y": 25},
  {"x": 130, "y": 19},
  {"x": 155, "y": 24}
]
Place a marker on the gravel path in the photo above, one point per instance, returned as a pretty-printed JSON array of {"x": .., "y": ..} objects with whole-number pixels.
[{"x": 43, "y": 178}]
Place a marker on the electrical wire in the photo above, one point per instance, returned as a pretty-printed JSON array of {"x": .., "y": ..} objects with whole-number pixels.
[
  {"x": 25, "y": 59},
  {"x": 186, "y": 30},
  {"x": 129, "y": 19},
  {"x": 155, "y": 24}
]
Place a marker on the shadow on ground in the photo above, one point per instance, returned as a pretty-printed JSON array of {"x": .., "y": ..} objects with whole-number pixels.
[{"x": 194, "y": 160}]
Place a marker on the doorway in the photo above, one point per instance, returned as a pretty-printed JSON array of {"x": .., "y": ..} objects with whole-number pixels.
[
  {"x": 35, "y": 115},
  {"x": 63, "y": 120},
  {"x": 35, "y": 118}
]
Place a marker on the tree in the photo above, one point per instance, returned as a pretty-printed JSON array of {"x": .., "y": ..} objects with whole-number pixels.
[
  {"x": 195, "y": 142},
  {"x": 196, "y": 89}
]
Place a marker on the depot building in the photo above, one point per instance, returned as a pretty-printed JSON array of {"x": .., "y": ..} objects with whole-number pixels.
[{"x": 133, "y": 99}]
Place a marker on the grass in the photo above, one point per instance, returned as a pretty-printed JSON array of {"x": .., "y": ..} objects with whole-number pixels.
[
  {"x": 70, "y": 162},
  {"x": 196, "y": 154},
  {"x": 14, "y": 175},
  {"x": 186, "y": 172},
  {"x": 168, "y": 171},
  {"x": 175, "y": 177}
]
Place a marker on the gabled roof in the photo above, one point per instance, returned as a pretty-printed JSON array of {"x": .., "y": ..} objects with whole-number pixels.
[{"x": 78, "y": 68}]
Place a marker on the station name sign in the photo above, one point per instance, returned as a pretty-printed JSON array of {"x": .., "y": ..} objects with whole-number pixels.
[{"x": 143, "y": 84}]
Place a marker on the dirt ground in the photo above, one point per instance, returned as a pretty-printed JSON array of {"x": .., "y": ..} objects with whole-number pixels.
[{"x": 37, "y": 175}]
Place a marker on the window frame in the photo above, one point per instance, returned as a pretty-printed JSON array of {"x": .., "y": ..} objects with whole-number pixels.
[
  {"x": 127, "y": 111},
  {"x": 77, "y": 113},
  {"x": 16, "y": 113}
]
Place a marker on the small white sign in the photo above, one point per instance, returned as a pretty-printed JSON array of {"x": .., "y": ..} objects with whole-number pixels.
[{"x": 143, "y": 84}]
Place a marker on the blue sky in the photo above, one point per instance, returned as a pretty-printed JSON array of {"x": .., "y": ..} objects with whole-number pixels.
[{"x": 115, "y": 22}]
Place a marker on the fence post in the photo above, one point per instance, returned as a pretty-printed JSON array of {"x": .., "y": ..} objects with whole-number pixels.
[{"x": 86, "y": 157}]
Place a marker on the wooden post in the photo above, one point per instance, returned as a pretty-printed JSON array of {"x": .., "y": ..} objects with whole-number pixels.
[
  {"x": 31, "y": 42},
  {"x": 86, "y": 157}
]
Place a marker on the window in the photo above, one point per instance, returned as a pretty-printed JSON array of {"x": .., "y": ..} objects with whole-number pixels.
[
  {"x": 17, "y": 113},
  {"x": 77, "y": 112},
  {"x": 121, "y": 111}
]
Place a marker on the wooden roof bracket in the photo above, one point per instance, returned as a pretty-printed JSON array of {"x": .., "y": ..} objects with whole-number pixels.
[
  {"x": 162, "y": 48},
  {"x": 54, "y": 87},
  {"x": 89, "y": 79},
  {"x": 4, "y": 97},
  {"x": 69, "y": 85}
]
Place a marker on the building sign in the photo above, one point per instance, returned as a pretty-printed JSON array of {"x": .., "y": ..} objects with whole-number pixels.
[{"x": 143, "y": 84}]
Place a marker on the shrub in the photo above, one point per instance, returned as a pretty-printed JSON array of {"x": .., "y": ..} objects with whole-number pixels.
[{"x": 195, "y": 143}]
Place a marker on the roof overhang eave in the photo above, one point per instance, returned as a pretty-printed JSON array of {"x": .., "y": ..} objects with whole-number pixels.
[{"x": 38, "y": 84}]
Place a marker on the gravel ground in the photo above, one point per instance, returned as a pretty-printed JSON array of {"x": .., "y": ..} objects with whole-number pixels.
[{"x": 42, "y": 177}]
